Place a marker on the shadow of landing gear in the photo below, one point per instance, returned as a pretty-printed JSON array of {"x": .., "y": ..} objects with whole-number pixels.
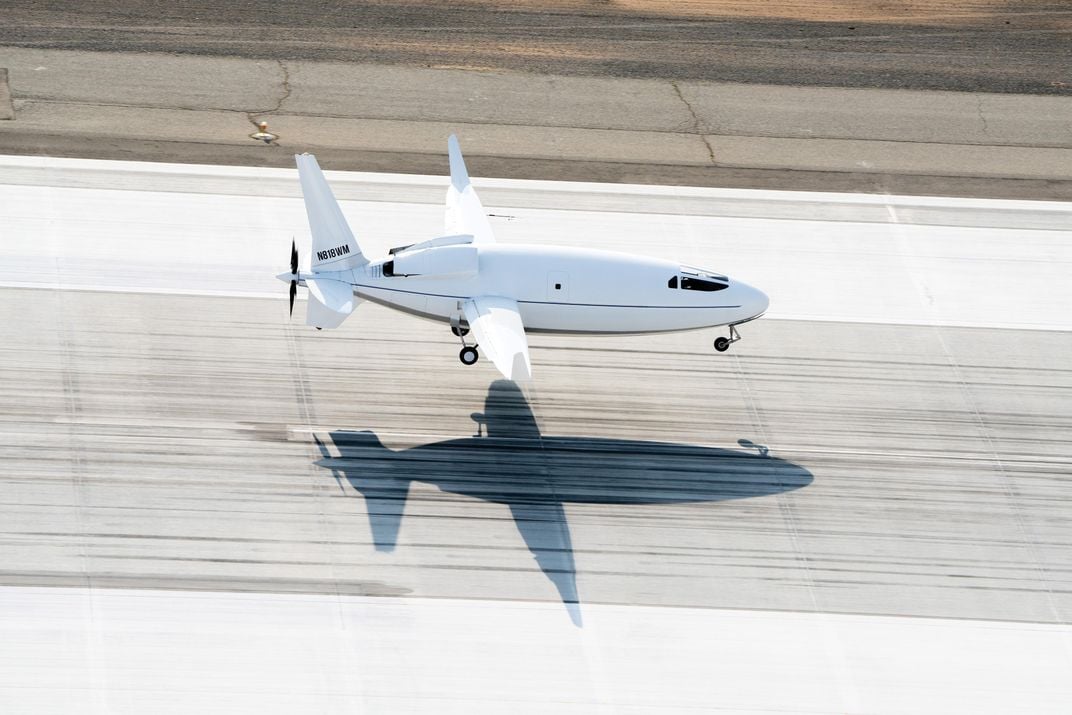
[{"x": 535, "y": 476}]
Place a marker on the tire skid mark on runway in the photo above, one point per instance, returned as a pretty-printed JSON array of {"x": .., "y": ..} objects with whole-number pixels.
[{"x": 193, "y": 437}]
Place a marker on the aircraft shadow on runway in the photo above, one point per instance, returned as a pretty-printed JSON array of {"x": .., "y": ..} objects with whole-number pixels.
[{"x": 510, "y": 462}]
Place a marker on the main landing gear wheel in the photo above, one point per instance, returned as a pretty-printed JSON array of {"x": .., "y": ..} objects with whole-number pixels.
[{"x": 468, "y": 355}]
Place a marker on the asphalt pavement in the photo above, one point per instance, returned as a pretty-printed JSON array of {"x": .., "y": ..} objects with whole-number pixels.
[{"x": 373, "y": 118}]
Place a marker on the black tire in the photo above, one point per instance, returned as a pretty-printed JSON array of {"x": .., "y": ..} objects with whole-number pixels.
[
  {"x": 459, "y": 332},
  {"x": 722, "y": 344},
  {"x": 468, "y": 356}
]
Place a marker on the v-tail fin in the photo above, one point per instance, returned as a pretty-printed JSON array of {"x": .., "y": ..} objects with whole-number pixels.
[
  {"x": 334, "y": 247},
  {"x": 464, "y": 214},
  {"x": 330, "y": 302}
]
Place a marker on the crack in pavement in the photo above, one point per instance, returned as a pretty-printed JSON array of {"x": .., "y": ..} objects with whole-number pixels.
[
  {"x": 979, "y": 109},
  {"x": 253, "y": 115},
  {"x": 7, "y": 107},
  {"x": 699, "y": 130}
]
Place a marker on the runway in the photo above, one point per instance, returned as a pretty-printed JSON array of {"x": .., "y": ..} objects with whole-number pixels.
[
  {"x": 625, "y": 130},
  {"x": 880, "y": 468}
]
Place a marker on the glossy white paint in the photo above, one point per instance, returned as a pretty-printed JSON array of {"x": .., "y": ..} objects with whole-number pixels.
[
  {"x": 600, "y": 291},
  {"x": 543, "y": 288}
]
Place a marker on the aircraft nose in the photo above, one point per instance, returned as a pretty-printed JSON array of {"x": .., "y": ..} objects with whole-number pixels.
[{"x": 754, "y": 301}]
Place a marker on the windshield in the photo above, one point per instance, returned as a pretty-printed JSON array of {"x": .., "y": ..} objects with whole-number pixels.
[
  {"x": 696, "y": 279},
  {"x": 701, "y": 273}
]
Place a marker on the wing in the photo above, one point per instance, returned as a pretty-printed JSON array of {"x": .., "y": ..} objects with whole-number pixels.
[
  {"x": 496, "y": 323},
  {"x": 465, "y": 214}
]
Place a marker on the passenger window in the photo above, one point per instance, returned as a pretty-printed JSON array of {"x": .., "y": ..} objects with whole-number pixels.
[
  {"x": 700, "y": 284},
  {"x": 672, "y": 283}
]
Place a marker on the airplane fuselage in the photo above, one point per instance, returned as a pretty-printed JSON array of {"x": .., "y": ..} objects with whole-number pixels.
[{"x": 561, "y": 289}]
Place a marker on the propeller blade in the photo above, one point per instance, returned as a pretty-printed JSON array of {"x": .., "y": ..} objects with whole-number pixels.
[
  {"x": 293, "y": 256},
  {"x": 293, "y": 292}
]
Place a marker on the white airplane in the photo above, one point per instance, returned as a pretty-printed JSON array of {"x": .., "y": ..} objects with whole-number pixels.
[{"x": 500, "y": 291}]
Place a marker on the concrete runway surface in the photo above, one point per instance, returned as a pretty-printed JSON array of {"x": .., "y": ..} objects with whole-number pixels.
[{"x": 863, "y": 502}]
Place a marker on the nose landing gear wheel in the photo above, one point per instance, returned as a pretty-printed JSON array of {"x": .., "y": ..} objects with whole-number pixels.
[
  {"x": 723, "y": 344},
  {"x": 468, "y": 356}
]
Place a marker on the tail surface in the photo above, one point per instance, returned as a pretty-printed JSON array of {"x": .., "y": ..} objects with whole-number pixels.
[
  {"x": 330, "y": 302},
  {"x": 334, "y": 246},
  {"x": 465, "y": 214}
]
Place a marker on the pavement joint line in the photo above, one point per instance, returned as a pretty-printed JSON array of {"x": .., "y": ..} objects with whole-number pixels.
[
  {"x": 205, "y": 594},
  {"x": 26, "y": 100},
  {"x": 254, "y": 175},
  {"x": 696, "y": 128}
]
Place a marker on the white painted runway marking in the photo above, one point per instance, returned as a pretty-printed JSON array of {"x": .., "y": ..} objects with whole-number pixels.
[
  {"x": 91, "y": 231},
  {"x": 105, "y": 650}
]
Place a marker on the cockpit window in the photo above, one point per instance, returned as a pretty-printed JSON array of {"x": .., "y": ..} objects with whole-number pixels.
[
  {"x": 701, "y": 284},
  {"x": 696, "y": 279},
  {"x": 700, "y": 273},
  {"x": 672, "y": 283}
]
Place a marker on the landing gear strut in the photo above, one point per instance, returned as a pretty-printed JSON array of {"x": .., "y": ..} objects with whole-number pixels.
[
  {"x": 468, "y": 354},
  {"x": 723, "y": 344}
]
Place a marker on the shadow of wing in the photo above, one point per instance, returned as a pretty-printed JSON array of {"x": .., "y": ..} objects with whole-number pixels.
[
  {"x": 385, "y": 501},
  {"x": 544, "y": 528}
]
